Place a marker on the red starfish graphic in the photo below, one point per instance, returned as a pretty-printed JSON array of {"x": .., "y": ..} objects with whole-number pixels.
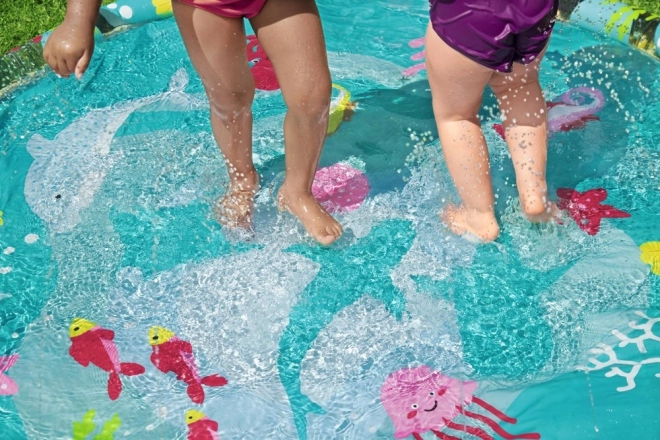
[{"x": 585, "y": 208}]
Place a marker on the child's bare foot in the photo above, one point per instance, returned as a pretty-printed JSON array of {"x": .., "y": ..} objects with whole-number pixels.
[
  {"x": 479, "y": 224},
  {"x": 317, "y": 222},
  {"x": 234, "y": 210}
]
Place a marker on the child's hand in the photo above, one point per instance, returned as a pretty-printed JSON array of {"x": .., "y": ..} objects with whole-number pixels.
[{"x": 69, "y": 48}]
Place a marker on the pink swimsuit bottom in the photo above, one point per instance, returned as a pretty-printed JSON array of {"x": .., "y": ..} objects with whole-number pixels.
[{"x": 229, "y": 8}]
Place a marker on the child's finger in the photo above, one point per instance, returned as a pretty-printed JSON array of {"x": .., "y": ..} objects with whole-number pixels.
[
  {"x": 83, "y": 63},
  {"x": 62, "y": 69},
  {"x": 51, "y": 61},
  {"x": 70, "y": 62}
]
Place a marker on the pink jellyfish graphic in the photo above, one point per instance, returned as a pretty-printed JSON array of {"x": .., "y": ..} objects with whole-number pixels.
[
  {"x": 340, "y": 187},
  {"x": 412, "y": 70},
  {"x": 419, "y": 400},
  {"x": 261, "y": 67}
]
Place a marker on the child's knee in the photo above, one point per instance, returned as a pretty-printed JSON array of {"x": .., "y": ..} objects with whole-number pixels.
[
  {"x": 314, "y": 100},
  {"x": 227, "y": 103}
]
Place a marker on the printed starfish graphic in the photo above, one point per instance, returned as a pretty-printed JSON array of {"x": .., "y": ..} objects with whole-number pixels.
[
  {"x": 344, "y": 277},
  {"x": 585, "y": 208}
]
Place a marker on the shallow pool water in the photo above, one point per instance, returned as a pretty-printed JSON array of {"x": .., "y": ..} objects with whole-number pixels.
[{"x": 106, "y": 194}]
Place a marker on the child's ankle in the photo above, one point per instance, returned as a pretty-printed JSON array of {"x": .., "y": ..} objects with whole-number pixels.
[{"x": 244, "y": 181}]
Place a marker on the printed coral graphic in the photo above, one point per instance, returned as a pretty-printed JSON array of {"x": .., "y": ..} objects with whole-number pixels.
[
  {"x": 650, "y": 255},
  {"x": 614, "y": 363},
  {"x": 82, "y": 429}
]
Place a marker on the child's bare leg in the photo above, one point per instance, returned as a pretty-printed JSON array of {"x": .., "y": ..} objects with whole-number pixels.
[
  {"x": 524, "y": 116},
  {"x": 216, "y": 46},
  {"x": 457, "y": 86},
  {"x": 290, "y": 32}
]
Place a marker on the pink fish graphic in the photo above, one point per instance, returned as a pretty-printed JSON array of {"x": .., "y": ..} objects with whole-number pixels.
[{"x": 7, "y": 385}]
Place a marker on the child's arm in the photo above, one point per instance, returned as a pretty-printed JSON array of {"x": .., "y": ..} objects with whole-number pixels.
[{"x": 69, "y": 48}]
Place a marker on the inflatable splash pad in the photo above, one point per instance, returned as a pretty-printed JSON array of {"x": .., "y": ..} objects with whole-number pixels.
[{"x": 128, "y": 312}]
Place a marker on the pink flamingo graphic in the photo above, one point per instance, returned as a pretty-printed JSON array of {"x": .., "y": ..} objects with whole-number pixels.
[
  {"x": 261, "y": 67},
  {"x": 419, "y": 400},
  {"x": 410, "y": 71}
]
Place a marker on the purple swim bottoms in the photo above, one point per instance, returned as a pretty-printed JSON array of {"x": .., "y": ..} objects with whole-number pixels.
[
  {"x": 229, "y": 8},
  {"x": 495, "y": 33}
]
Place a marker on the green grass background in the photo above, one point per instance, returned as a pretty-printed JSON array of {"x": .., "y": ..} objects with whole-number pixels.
[{"x": 21, "y": 20}]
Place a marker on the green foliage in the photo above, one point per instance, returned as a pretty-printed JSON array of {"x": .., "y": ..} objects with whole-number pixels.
[
  {"x": 652, "y": 6},
  {"x": 22, "y": 20}
]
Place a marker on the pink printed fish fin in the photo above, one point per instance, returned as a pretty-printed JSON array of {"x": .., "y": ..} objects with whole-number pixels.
[
  {"x": 7, "y": 386},
  {"x": 6, "y": 362},
  {"x": 196, "y": 393},
  {"x": 130, "y": 369},
  {"x": 185, "y": 346},
  {"x": 213, "y": 425},
  {"x": 78, "y": 355},
  {"x": 214, "y": 380},
  {"x": 104, "y": 333},
  {"x": 114, "y": 386}
]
